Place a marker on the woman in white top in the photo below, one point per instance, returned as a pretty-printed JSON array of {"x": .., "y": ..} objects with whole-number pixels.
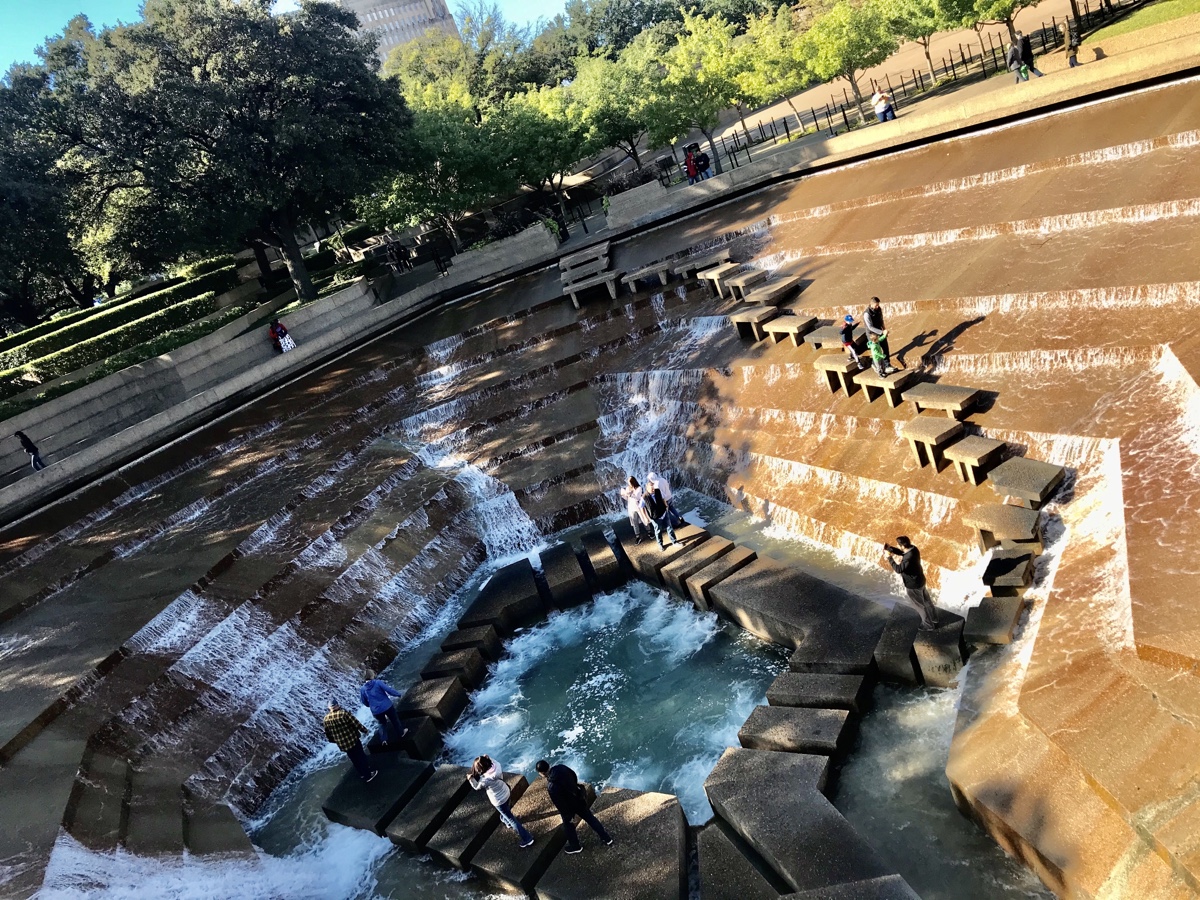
[
  {"x": 635, "y": 505},
  {"x": 487, "y": 775}
]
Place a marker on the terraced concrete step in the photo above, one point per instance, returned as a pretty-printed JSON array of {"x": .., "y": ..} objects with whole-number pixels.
[
  {"x": 471, "y": 824},
  {"x": 796, "y": 730},
  {"x": 374, "y": 806},
  {"x": 725, "y": 872}
]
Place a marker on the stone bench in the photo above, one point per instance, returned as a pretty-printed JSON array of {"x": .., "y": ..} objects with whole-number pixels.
[
  {"x": 928, "y": 437},
  {"x": 831, "y": 336},
  {"x": 587, "y": 270},
  {"x": 1028, "y": 481},
  {"x": 794, "y": 327},
  {"x": 1009, "y": 527},
  {"x": 661, "y": 269},
  {"x": 972, "y": 456},
  {"x": 791, "y": 729},
  {"x": 1009, "y": 573},
  {"x": 738, "y": 282},
  {"x": 889, "y": 387},
  {"x": 609, "y": 279},
  {"x": 698, "y": 263},
  {"x": 954, "y": 401},
  {"x": 714, "y": 275},
  {"x": 584, "y": 256},
  {"x": 774, "y": 291},
  {"x": 839, "y": 370},
  {"x": 749, "y": 322}
]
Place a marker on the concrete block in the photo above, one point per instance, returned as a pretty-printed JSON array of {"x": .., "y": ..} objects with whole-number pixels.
[
  {"x": 154, "y": 823},
  {"x": 471, "y": 823},
  {"x": 940, "y": 651},
  {"x": 429, "y": 808},
  {"x": 700, "y": 584},
  {"x": 372, "y": 806},
  {"x": 895, "y": 659},
  {"x": 1009, "y": 572},
  {"x": 676, "y": 572},
  {"x": 211, "y": 829},
  {"x": 605, "y": 571},
  {"x": 564, "y": 576},
  {"x": 483, "y": 638},
  {"x": 791, "y": 729},
  {"x": 514, "y": 870},
  {"x": 468, "y": 665},
  {"x": 797, "y": 831},
  {"x": 510, "y": 600},
  {"x": 648, "y": 560},
  {"x": 993, "y": 621},
  {"x": 441, "y": 699},
  {"x": 423, "y": 740},
  {"x": 889, "y": 887},
  {"x": 815, "y": 691},
  {"x": 646, "y": 862},
  {"x": 725, "y": 873},
  {"x": 95, "y": 814}
]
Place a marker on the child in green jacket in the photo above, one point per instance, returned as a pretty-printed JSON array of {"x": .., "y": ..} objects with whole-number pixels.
[{"x": 879, "y": 357}]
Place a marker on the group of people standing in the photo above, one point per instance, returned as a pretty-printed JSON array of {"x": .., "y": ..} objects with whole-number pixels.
[
  {"x": 651, "y": 506},
  {"x": 697, "y": 165},
  {"x": 877, "y": 339}
]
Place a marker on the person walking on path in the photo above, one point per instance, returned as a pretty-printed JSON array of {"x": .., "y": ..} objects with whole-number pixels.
[
  {"x": 487, "y": 775},
  {"x": 343, "y": 729},
  {"x": 657, "y": 481},
  {"x": 562, "y": 784},
  {"x": 847, "y": 333},
  {"x": 660, "y": 516},
  {"x": 879, "y": 359},
  {"x": 31, "y": 448},
  {"x": 913, "y": 575},
  {"x": 1070, "y": 44},
  {"x": 873, "y": 322},
  {"x": 881, "y": 102},
  {"x": 635, "y": 505},
  {"x": 377, "y": 695},
  {"x": 1026, "y": 46}
]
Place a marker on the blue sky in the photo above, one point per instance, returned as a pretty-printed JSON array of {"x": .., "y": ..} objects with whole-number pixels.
[{"x": 25, "y": 24}]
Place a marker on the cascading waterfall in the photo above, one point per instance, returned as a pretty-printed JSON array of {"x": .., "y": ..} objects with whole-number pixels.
[{"x": 505, "y": 528}]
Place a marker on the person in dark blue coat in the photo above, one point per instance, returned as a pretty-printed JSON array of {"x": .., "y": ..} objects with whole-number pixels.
[
  {"x": 378, "y": 696},
  {"x": 569, "y": 799}
]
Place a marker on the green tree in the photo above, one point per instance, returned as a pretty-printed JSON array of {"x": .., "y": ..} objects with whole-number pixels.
[
  {"x": 228, "y": 123},
  {"x": 610, "y": 98},
  {"x": 1004, "y": 12},
  {"x": 919, "y": 20},
  {"x": 848, "y": 39},
  {"x": 773, "y": 68}
]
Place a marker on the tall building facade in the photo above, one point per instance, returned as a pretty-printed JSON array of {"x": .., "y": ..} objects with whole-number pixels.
[{"x": 397, "y": 22}]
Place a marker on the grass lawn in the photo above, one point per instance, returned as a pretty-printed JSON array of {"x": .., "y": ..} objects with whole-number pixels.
[{"x": 1151, "y": 14}]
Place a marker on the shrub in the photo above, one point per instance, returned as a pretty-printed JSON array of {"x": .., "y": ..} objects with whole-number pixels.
[
  {"x": 94, "y": 349},
  {"x": 627, "y": 179},
  {"x": 204, "y": 266},
  {"x": 323, "y": 259},
  {"x": 107, "y": 319},
  {"x": 354, "y": 234}
]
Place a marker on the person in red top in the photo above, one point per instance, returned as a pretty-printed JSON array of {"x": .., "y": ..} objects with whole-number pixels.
[
  {"x": 689, "y": 166},
  {"x": 280, "y": 338}
]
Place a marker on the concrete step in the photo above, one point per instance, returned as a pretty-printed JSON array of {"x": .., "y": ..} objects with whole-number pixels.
[
  {"x": 725, "y": 872},
  {"x": 97, "y": 810},
  {"x": 471, "y": 824},
  {"x": 154, "y": 817},
  {"x": 211, "y": 829},
  {"x": 797, "y": 730}
]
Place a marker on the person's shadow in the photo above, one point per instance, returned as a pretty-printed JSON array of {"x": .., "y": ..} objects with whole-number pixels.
[
  {"x": 945, "y": 343},
  {"x": 915, "y": 343}
]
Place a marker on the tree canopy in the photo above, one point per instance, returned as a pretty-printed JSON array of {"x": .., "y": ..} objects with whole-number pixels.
[{"x": 848, "y": 39}]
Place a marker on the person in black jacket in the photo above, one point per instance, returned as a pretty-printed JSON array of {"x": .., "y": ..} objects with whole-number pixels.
[
  {"x": 873, "y": 322},
  {"x": 660, "y": 516},
  {"x": 562, "y": 784},
  {"x": 1026, "y": 46},
  {"x": 913, "y": 576},
  {"x": 29, "y": 447}
]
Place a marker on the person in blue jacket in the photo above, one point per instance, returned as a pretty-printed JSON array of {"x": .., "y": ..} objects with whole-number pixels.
[{"x": 378, "y": 696}]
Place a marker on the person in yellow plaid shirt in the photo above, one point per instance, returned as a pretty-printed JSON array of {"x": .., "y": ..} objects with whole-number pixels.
[{"x": 346, "y": 731}]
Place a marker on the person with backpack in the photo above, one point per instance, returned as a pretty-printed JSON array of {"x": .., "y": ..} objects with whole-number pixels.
[
  {"x": 488, "y": 775},
  {"x": 660, "y": 516},
  {"x": 1070, "y": 44},
  {"x": 703, "y": 165},
  {"x": 568, "y": 797}
]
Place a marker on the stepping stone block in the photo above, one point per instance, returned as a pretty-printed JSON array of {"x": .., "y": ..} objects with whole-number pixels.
[
  {"x": 940, "y": 652},
  {"x": 1009, "y": 572},
  {"x": 441, "y": 699},
  {"x": 646, "y": 862},
  {"x": 471, "y": 824},
  {"x": 972, "y": 456},
  {"x": 429, "y": 808},
  {"x": 648, "y": 561},
  {"x": 1028, "y": 481},
  {"x": 510, "y": 600},
  {"x": 564, "y": 576},
  {"x": 791, "y": 729},
  {"x": 699, "y": 585},
  {"x": 1009, "y": 527},
  {"x": 423, "y": 740},
  {"x": 95, "y": 810},
  {"x": 212, "y": 829},
  {"x": 796, "y": 831},
  {"x": 845, "y": 643},
  {"x": 839, "y": 371},
  {"x": 928, "y": 437},
  {"x": 793, "y": 327},
  {"x": 483, "y": 638},
  {"x": 889, "y": 887},
  {"x": 850, "y": 692},
  {"x": 831, "y": 336},
  {"x": 515, "y": 870},
  {"x": 676, "y": 572},
  {"x": 890, "y": 387},
  {"x": 749, "y": 322},
  {"x": 951, "y": 399},
  {"x": 993, "y": 621},
  {"x": 606, "y": 571},
  {"x": 725, "y": 873},
  {"x": 468, "y": 665},
  {"x": 895, "y": 658},
  {"x": 372, "y": 807}
]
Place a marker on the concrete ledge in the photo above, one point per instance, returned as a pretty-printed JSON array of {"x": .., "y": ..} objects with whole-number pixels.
[
  {"x": 700, "y": 584},
  {"x": 895, "y": 658},
  {"x": 849, "y": 692},
  {"x": 510, "y": 600},
  {"x": 646, "y": 862},
  {"x": 373, "y": 806},
  {"x": 471, "y": 824},
  {"x": 429, "y": 808},
  {"x": 647, "y": 559},
  {"x": 605, "y": 571},
  {"x": 441, "y": 699},
  {"x": 483, "y": 638},
  {"x": 791, "y": 729},
  {"x": 517, "y": 871},
  {"x": 725, "y": 873},
  {"x": 564, "y": 577},
  {"x": 423, "y": 740},
  {"x": 676, "y": 572}
]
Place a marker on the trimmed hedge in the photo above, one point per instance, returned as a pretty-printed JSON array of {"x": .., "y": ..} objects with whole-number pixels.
[
  {"x": 356, "y": 233},
  {"x": 165, "y": 343},
  {"x": 323, "y": 259},
  {"x": 204, "y": 266},
  {"x": 113, "y": 318},
  {"x": 102, "y": 346}
]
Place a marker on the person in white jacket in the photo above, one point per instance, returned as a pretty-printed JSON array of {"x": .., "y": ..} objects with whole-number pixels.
[
  {"x": 635, "y": 505},
  {"x": 488, "y": 775},
  {"x": 658, "y": 481}
]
